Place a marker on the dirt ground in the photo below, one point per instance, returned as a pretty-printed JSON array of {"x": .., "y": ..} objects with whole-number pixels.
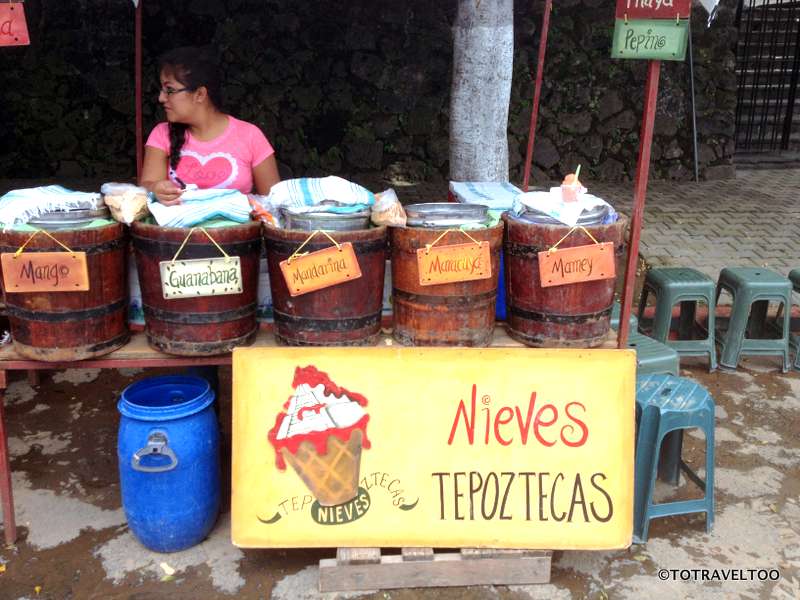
[{"x": 74, "y": 542}]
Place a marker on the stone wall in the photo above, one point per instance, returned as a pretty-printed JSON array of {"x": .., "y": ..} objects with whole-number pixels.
[{"x": 355, "y": 88}]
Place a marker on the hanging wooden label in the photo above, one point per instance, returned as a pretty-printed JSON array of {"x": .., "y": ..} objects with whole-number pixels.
[
  {"x": 651, "y": 39},
  {"x": 457, "y": 262},
  {"x": 320, "y": 269},
  {"x": 653, "y": 9},
  {"x": 13, "y": 27},
  {"x": 201, "y": 277},
  {"x": 45, "y": 272},
  {"x": 577, "y": 264}
]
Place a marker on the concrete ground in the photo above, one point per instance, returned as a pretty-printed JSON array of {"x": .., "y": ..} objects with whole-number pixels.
[{"x": 74, "y": 542}]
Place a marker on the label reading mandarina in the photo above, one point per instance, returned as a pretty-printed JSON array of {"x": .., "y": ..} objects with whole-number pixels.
[
  {"x": 453, "y": 263},
  {"x": 320, "y": 269}
]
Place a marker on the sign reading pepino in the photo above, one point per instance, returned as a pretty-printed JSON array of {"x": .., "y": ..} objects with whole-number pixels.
[{"x": 506, "y": 448}]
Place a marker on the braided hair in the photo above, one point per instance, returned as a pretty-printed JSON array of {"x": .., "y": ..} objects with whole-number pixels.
[{"x": 194, "y": 68}]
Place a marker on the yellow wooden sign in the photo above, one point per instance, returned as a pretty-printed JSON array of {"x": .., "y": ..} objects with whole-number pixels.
[
  {"x": 45, "y": 272},
  {"x": 456, "y": 262},
  {"x": 450, "y": 447},
  {"x": 320, "y": 269}
]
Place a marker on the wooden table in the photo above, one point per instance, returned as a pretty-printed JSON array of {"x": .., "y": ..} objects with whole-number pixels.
[{"x": 135, "y": 354}]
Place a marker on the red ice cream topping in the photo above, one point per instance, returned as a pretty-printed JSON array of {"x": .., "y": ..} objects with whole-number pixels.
[{"x": 311, "y": 376}]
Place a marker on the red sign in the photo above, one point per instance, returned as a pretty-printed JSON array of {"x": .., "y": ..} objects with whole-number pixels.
[
  {"x": 13, "y": 28},
  {"x": 653, "y": 9}
]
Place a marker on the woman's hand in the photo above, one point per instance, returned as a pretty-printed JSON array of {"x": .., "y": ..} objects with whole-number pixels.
[{"x": 167, "y": 192}]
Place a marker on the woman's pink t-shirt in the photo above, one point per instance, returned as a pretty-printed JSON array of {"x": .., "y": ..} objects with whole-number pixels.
[{"x": 227, "y": 161}]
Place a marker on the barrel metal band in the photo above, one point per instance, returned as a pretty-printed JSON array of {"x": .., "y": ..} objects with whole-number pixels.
[
  {"x": 114, "y": 342},
  {"x": 65, "y": 316},
  {"x": 362, "y": 247},
  {"x": 167, "y": 249},
  {"x": 516, "y": 249},
  {"x": 205, "y": 318},
  {"x": 120, "y": 242},
  {"x": 444, "y": 300},
  {"x": 338, "y": 324},
  {"x": 560, "y": 319}
]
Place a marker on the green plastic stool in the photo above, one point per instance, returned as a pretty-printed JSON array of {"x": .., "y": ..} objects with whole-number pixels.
[
  {"x": 673, "y": 285},
  {"x": 753, "y": 287},
  {"x": 668, "y": 405},
  {"x": 794, "y": 340},
  {"x": 651, "y": 356}
]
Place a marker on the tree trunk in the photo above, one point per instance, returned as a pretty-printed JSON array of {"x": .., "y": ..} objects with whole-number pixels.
[{"x": 483, "y": 48}]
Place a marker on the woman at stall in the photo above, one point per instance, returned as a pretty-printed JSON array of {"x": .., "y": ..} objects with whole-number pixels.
[{"x": 199, "y": 143}]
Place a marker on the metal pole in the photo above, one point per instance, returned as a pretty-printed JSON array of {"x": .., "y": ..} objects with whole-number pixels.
[
  {"x": 6, "y": 496},
  {"x": 694, "y": 108},
  {"x": 537, "y": 90},
  {"x": 640, "y": 191},
  {"x": 138, "y": 88}
]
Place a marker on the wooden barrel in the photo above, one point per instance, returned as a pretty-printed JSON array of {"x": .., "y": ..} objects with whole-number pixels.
[
  {"x": 565, "y": 316},
  {"x": 205, "y": 325},
  {"x": 347, "y": 314},
  {"x": 66, "y": 326},
  {"x": 449, "y": 314}
]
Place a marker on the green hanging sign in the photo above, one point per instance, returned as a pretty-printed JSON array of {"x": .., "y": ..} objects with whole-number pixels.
[{"x": 650, "y": 39}]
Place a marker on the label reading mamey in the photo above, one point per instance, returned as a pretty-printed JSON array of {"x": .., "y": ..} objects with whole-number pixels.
[
  {"x": 45, "y": 272},
  {"x": 457, "y": 262},
  {"x": 321, "y": 269},
  {"x": 577, "y": 264},
  {"x": 201, "y": 277}
]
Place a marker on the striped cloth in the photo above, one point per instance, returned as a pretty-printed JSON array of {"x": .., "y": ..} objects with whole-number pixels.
[
  {"x": 198, "y": 206},
  {"x": 20, "y": 206},
  {"x": 307, "y": 194},
  {"x": 495, "y": 195}
]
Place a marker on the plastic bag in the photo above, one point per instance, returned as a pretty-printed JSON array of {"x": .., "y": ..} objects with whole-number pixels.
[
  {"x": 388, "y": 210},
  {"x": 127, "y": 202}
]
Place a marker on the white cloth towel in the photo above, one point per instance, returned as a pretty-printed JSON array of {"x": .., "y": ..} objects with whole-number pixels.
[
  {"x": 550, "y": 203},
  {"x": 20, "y": 206},
  {"x": 201, "y": 205},
  {"x": 307, "y": 194},
  {"x": 495, "y": 195}
]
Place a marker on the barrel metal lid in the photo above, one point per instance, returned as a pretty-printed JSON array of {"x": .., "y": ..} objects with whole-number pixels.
[
  {"x": 591, "y": 216},
  {"x": 65, "y": 219},
  {"x": 309, "y": 221},
  {"x": 445, "y": 214}
]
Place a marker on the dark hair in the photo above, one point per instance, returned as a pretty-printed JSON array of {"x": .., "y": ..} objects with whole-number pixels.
[{"x": 194, "y": 68}]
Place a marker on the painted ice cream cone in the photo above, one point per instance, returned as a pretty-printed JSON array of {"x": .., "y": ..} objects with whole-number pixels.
[
  {"x": 321, "y": 435},
  {"x": 332, "y": 477}
]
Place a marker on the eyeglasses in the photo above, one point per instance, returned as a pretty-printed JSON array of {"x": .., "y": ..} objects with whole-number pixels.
[{"x": 170, "y": 91}]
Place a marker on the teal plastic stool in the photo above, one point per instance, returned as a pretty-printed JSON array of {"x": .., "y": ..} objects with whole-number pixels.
[
  {"x": 673, "y": 285},
  {"x": 794, "y": 340},
  {"x": 651, "y": 356},
  {"x": 753, "y": 287},
  {"x": 666, "y": 404}
]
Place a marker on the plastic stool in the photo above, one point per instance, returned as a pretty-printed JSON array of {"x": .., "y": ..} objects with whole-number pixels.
[
  {"x": 667, "y": 403},
  {"x": 754, "y": 287},
  {"x": 794, "y": 340},
  {"x": 673, "y": 285},
  {"x": 616, "y": 309},
  {"x": 652, "y": 356}
]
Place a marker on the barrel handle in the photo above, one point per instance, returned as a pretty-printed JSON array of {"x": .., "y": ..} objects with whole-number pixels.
[{"x": 157, "y": 443}]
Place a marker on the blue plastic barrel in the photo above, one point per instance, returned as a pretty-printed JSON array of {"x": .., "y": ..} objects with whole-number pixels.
[
  {"x": 169, "y": 465},
  {"x": 500, "y": 304}
]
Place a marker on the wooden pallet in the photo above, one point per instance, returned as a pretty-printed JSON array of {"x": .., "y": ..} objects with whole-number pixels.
[{"x": 359, "y": 569}]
